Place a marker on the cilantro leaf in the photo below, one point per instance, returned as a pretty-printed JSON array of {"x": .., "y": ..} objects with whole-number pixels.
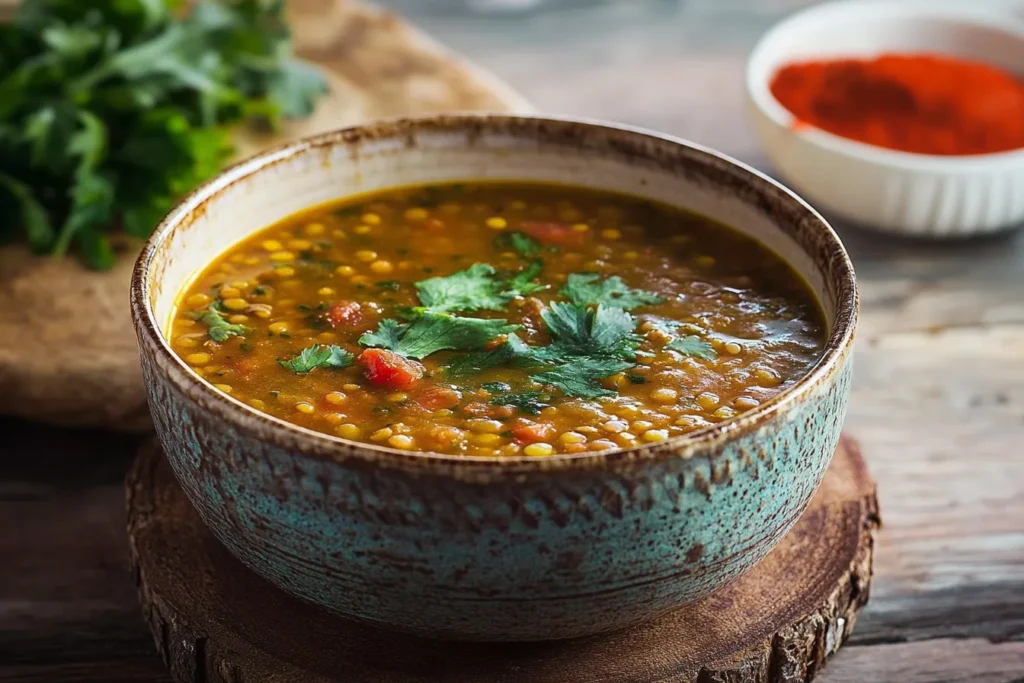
[
  {"x": 588, "y": 289},
  {"x": 317, "y": 356},
  {"x": 219, "y": 328},
  {"x": 433, "y": 332},
  {"x": 388, "y": 335},
  {"x": 668, "y": 327},
  {"x": 529, "y": 402},
  {"x": 473, "y": 289},
  {"x": 513, "y": 352},
  {"x": 692, "y": 345},
  {"x": 589, "y": 345},
  {"x": 584, "y": 331},
  {"x": 523, "y": 281},
  {"x": 496, "y": 387},
  {"x": 519, "y": 242},
  {"x": 581, "y": 376}
]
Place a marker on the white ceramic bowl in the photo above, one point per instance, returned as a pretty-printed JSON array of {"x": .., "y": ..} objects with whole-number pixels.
[{"x": 913, "y": 194}]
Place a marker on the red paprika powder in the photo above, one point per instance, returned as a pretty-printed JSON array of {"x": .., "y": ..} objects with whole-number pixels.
[{"x": 922, "y": 103}]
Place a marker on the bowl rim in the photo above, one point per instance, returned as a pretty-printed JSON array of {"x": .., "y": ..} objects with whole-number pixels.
[
  {"x": 806, "y": 20},
  {"x": 320, "y": 445}
]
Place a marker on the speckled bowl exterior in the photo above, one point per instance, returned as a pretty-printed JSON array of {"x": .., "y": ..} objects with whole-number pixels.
[{"x": 483, "y": 548}]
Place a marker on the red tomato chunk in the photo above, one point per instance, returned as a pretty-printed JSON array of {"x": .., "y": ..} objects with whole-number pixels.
[{"x": 388, "y": 369}]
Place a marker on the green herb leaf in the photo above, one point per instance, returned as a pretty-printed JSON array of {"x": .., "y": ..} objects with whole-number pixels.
[
  {"x": 318, "y": 356},
  {"x": 668, "y": 327},
  {"x": 496, "y": 387},
  {"x": 31, "y": 213},
  {"x": 584, "y": 331},
  {"x": 582, "y": 376},
  {"x": 519, "y": 242},
  {"x": 433, "y": 332},
  {"x": 523, "y": 282},
  {"x": 219, "y": 328},
  {"x": 388, "y": 335},
  {"x": 473, "y": 289},
  {"x": 692, "y": 345},
  {"x": 529, "y": 402},
  {"x": 589, "y": 289},
  {"x": 513, "y": 352}
]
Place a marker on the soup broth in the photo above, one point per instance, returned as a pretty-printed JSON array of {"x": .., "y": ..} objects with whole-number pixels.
[{"x": 499, "y": 319}]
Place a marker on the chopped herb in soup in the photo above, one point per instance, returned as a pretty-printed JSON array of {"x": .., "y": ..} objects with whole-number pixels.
[{"x": 499, "y": 319}]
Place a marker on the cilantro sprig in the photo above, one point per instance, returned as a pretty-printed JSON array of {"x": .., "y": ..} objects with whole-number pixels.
[
  {"x": 513, "y": 352},
  {"x": 318, "y": 356},
  {"x": 589, "y": 289},
  {"x": 589, "y": 345},
  {"x": 582, "y": 331},
  {"x": 519, "y": 242},
  {"x": 475, "y": 289},
  {"x": 692, "y": 345},
  {"x": 433, "y": 332},
  {"x": 219, "y": 329},
  {"x": 111, "y": 111}
]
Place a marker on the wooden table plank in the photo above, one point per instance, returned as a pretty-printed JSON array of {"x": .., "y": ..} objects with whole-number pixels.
[{"x": 949, "y": 661}]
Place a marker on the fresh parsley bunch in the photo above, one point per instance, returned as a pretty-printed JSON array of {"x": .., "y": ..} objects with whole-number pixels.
[{"x": 111, "y": 110}]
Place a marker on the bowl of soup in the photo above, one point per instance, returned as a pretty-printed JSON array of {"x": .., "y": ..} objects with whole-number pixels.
[{"x": 496, "y": 377}]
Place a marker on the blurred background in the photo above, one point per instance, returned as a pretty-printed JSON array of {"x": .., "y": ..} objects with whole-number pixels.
[{"x": 670, "y": 65}]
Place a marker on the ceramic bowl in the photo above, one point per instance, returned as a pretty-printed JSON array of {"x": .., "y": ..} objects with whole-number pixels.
[
  {"x": 484, "y": 548},
  {"x": 910, "y": 194}
]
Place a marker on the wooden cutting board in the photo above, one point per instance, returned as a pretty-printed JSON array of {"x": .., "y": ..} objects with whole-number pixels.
[{"x": 67, "y": 347}]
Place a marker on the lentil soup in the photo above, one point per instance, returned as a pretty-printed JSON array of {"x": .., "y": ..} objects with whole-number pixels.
[{"x": 499, "y": 319}]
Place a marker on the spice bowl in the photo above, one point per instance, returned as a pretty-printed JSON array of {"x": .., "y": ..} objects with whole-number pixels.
[{"x": 895, "y": 191}]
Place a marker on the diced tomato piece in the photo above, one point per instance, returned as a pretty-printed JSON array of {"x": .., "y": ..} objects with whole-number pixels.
[
  {"x": 533, "y": 432},
  {"x": 345, "y": 314},
  {"x": 388, "y": 369},
  {"x": 553, "y": 233},
  {"x": 437, "y": 397}
]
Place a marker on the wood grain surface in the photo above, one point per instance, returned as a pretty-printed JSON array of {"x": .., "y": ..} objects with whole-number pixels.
[
  {"x": 214, "y": 620},
  {"x": 938, "y": 400}
]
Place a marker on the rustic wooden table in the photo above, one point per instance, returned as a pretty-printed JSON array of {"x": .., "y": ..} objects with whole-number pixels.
[{"x": 938, "y": 399}]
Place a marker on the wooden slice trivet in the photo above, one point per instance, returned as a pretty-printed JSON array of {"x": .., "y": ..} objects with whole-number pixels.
[
  {"x": 67, "y": 347},
  {"x": 214, "y": 621}
]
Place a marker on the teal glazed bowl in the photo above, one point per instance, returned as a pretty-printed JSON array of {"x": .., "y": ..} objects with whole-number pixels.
[{"x": 484, "y": 548}]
